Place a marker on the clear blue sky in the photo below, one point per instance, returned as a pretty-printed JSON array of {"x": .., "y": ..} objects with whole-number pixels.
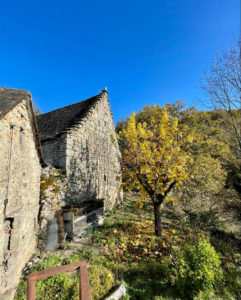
[{"x": 144, "y": 51}]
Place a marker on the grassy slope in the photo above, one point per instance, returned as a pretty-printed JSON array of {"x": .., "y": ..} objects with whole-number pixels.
[{"x": 126, "y": 246}]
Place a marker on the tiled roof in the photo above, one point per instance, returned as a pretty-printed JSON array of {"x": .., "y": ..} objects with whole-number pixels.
[
  {"x": 59, "y": 120},
  {"x": 9, "y": 98}
]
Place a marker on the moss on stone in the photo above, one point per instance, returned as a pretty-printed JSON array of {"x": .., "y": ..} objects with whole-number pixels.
[{"x": 51, "y": 181}]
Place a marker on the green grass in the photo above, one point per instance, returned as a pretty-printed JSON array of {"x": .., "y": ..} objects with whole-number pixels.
[
  {"x": 147, "y": 265},
  {"x": 125, "y": 250}
]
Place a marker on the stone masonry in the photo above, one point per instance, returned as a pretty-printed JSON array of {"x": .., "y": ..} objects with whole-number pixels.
[
  {"x": 85, "y": 145},
  {"x": 20, "y": 169},
  {"x": 52, "y": 194},
  {"x": 92, "y": 158},
  {"x": 79, "y": 144}
]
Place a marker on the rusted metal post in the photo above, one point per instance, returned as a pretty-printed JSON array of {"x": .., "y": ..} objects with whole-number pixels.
[
  {"x": 31, "y": 295},
  {"x": 84, "y": 288}
]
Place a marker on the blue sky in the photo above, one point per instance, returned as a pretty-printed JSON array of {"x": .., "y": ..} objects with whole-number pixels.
[{"x": 144, "y": 51}]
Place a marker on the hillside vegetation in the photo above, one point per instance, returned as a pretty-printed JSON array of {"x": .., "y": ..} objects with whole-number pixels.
[
  {"x": 186, "y": 263},
  {"x": 177, "y": 233},
  {"x": 195, "y": 254}
]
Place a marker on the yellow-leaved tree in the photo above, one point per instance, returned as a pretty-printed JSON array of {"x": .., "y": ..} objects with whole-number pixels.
[{"x": 154, "y": 160}]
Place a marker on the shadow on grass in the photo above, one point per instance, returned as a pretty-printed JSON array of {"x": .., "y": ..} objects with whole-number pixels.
[
  {"x": 148, "y": 280},
  {"x": 110, "y": 226},
  {"x": 225, "y": 243}
]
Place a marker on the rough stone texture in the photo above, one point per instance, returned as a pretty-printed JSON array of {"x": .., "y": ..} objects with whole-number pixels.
[
  {"x": 82, "y": 143},
  {"x": 54, "y": 151},
  {"x": 85, "y": 145},
  {"x": 19, "y": 193},
  {"x": 52, "y": 191},
  {"x": 92, "y": 158}
]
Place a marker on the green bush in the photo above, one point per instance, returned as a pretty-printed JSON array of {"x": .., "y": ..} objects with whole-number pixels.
[
  {"x": 59, "y": 287},
  {"x": 21, "y": 290},
  {"x": 101, "y": 281},
  {"x": 48, "y": 262},
  {"x": 198, "y": 269},
  {"x": 66, "y": 286}
]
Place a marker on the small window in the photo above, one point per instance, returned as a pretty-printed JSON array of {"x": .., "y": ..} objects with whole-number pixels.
[{"x": 105, "y": 178}]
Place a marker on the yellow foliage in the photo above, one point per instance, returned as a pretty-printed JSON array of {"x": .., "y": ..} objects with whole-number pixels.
[
  {"x": 138, "y": 204},
  {"x": 154, "y": 160}
]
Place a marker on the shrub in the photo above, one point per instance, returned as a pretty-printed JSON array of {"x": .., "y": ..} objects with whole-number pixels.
[
  {"x": 66, "y": 286},
  {"x": 101, "y": 281},
  {"x": 59, "y": 287},
  {"x": 48, "y": 262},
  {"x": 73, "y": 258},
  {"x": 198, "y": 269}
]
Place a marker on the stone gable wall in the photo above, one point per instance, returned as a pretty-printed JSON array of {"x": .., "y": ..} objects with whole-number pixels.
[
  {"x": 92, "y": 158},
  {"x": 19, "y": 196},
  {"x": 54, "y": 151}
]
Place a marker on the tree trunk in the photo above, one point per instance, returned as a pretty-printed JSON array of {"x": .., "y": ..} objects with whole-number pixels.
[{"x": 158, "y": 221}]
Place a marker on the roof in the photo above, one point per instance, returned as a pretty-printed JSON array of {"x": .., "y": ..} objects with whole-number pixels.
[
  {"x": 9, "y": 98},
  {"x": 55, "y": 122}
]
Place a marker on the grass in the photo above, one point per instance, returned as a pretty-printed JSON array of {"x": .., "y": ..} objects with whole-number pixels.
[
  {"x": 125, "y": 248},
  {"x": 126, "y": 244}
]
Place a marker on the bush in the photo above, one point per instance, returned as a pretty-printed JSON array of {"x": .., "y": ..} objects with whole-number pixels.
[
  {"x": 59, "y": 287},
  {"x": 48, "y": 262},
  {"x": 198, "y": 269},
  {"x": 101, "y": 281},
  {"x": 66, "y": 286}
]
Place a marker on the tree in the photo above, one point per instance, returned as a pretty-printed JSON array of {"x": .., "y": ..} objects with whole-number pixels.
[
  {"x": 205, "y": 193},
  {"x": 153, "y": 156},
  {"x": 222, "y": 84}
]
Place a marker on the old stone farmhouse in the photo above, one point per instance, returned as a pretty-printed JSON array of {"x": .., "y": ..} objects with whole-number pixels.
[
  {"x": 20, "y": 169},
  {"x": 80, "y": 138},
  {"x": 77, "y": 146}
]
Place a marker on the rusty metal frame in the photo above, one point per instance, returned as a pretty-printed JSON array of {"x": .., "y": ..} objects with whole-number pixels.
[{"x": 84, "y": 288}]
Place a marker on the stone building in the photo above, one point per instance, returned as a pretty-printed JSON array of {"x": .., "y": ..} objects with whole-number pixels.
[
  {"x": 20, "y": 169},
  {"x": 79, "y": 144},
  {"x": 80, "y": 138}
]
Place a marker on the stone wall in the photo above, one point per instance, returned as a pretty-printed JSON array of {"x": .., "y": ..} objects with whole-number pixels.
[
  {"x": 19, "y": 196},
  {"x": 54, "y": 151},
  {"x": 53, "y": 187},
  {"x": 92, "y": 158}
]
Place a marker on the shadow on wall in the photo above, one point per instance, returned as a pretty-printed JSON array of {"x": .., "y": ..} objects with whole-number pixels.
[{"x": 82, "y": 178}]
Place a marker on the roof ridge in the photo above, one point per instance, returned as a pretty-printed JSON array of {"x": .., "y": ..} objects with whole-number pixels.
[
  {"x": 85, "y": 115},
  {"x": 10, "y": 97},
  {"x": 67, "y": 106},
  {"x": 63, "y": 119},
  {"x": 15, "y": 90}
]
